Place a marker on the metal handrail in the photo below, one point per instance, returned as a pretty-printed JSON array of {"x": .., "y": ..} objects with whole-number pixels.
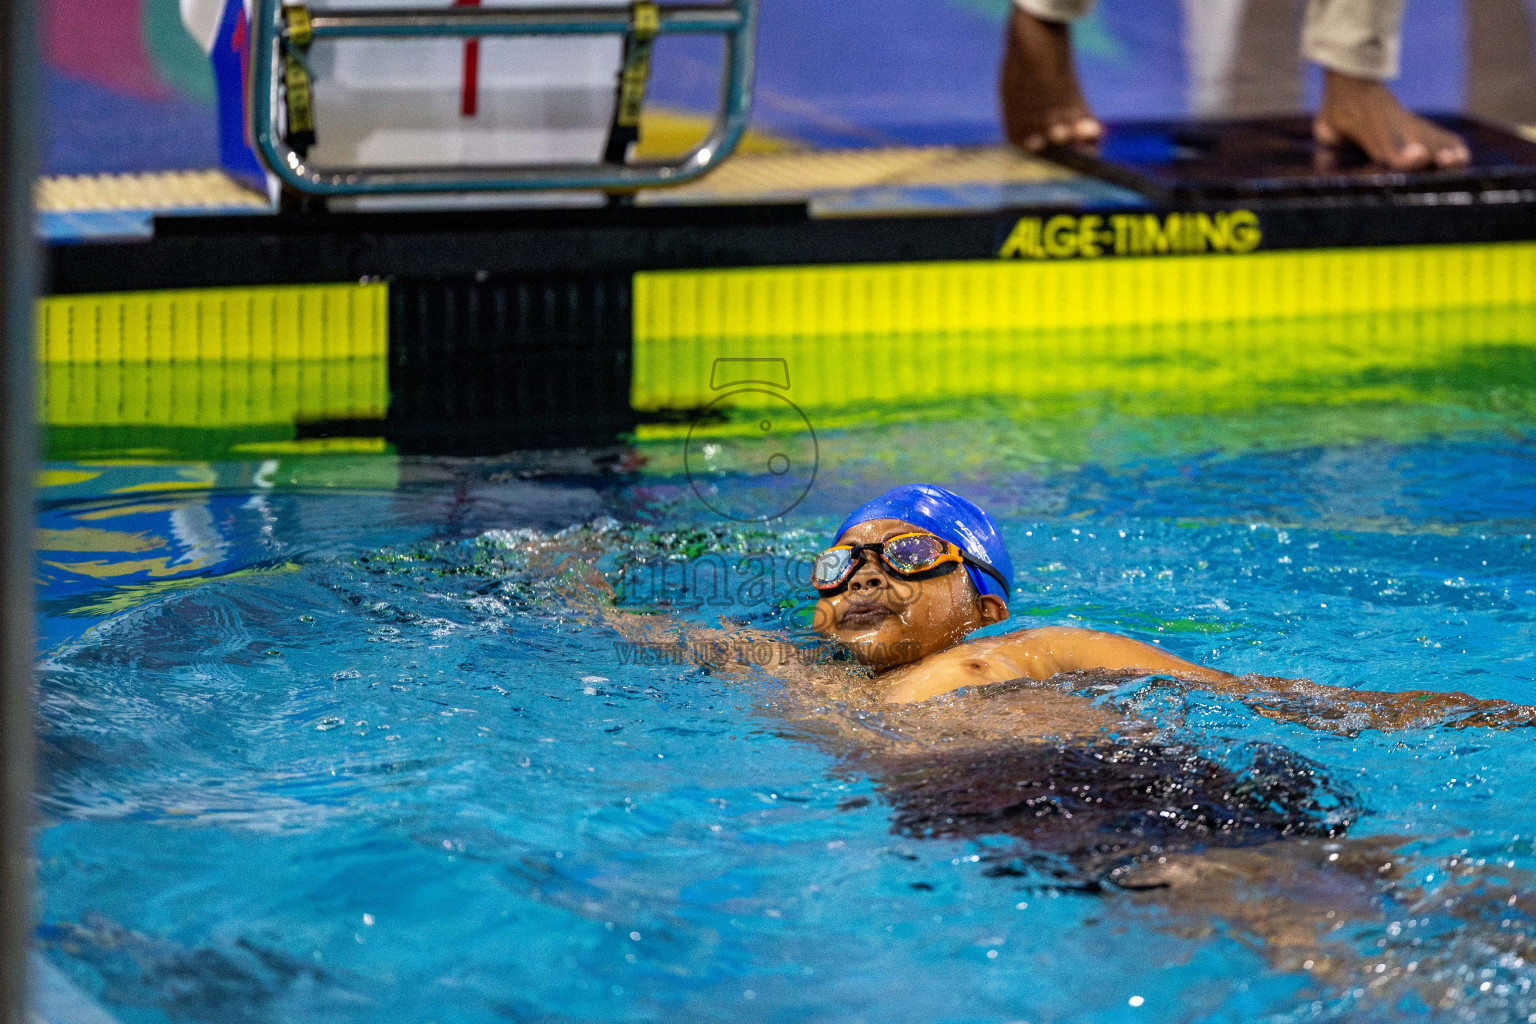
[
  {"x": 354, "y": 23},
  {"x": 735, "y": 20}
]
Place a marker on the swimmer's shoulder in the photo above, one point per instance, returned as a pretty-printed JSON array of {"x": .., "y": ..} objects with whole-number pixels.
[
  {"x": 996, "y": 659},
  {"x": 1038, "y": 646}
]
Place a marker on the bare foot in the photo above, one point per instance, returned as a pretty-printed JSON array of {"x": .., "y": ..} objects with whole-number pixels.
[
  {"x": 1042, "y": 102},
  {"x": 1366, "y": 113}
]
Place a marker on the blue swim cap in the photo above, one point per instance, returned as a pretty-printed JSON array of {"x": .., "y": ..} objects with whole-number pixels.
[{"x": 944, "y": 514}]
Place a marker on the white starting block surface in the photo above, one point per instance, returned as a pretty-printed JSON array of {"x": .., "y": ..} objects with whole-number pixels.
[
  {"x": 442, "y": 101},
  {"x": 518, "y": 100}
]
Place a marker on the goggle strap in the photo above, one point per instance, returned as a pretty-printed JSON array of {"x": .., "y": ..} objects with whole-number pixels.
[{"x": 990, "y": 571}]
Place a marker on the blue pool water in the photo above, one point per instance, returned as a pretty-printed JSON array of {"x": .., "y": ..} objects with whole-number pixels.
[{"x": 313, "y": 748}]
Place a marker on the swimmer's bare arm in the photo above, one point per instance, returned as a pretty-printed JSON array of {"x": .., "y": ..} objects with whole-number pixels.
[
  {"x": 1040, "y": 654},
  {"x": 734, "y": 651},
  {"x": 1053, "y": 649},
  {"x": 568, "y": 567},
  {"x": 1344, "y": 710}
]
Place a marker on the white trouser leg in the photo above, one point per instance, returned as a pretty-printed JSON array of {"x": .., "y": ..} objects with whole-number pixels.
[
  {"x": 1210, "y": 43},
  {"x": 1359, "y": 38}
]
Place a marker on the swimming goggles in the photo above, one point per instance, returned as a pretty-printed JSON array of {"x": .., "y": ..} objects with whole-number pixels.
[{"x": 910, "y": 556}]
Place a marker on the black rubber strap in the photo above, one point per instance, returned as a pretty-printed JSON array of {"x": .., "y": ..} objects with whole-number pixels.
[
  {"x": 298, "y": 94},
  {"x": 644, "y": 24}
]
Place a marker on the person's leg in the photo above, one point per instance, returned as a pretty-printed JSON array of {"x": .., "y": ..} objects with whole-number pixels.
[
  {"x": 1042, "y": 101},
  {"x": 1211, "y": 30},
  {"x": 1356, "y": 42},
  {"x": 1266, "y": 73}
]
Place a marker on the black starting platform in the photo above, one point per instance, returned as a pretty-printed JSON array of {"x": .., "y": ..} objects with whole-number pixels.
[{"x": 1183, "y": 161}]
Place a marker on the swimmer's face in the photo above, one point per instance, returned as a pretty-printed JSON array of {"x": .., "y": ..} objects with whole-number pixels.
[{"x": 888, "y": 621}]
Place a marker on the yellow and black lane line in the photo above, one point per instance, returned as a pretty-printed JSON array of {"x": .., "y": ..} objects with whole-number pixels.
[{"x": 491, "y": 331}]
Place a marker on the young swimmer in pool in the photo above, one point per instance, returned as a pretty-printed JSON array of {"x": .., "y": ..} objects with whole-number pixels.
[
  {"x": 1002, "y": 736},
  {"x": 892, "y": 591}
]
